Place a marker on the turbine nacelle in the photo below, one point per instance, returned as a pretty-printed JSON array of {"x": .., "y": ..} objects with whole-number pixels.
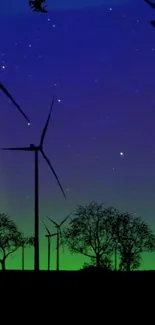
[
  {"x": 32, "y": 146},
  {"x": 51, "y": 235},
  {"x": 35, "y": 148},
  {"x": 58, "y": 226}
]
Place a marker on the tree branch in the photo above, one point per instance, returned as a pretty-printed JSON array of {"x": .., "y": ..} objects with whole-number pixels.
[
  {"x": 13, "y": 250},
  {"x": 81, "y": 252}
]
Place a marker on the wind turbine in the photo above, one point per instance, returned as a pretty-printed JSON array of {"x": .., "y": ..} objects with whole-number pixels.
[
  {"x": 48, "y": 236},
  {"x": 5, "y": 91},
  {"x": 36, "y": 150},
  {"x": 58, "y": 228}
]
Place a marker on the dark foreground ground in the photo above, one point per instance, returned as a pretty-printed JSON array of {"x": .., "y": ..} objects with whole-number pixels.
[
  {"x": 77, "y": 280},
  {"x": 79, "y": 294}
]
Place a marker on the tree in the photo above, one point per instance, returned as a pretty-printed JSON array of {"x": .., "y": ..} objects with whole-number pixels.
[
  {"x": 90, "y": 232},
  {"x": 133, "y": 237},
  {"x": 105, "y": 264},
  {"x": 10, "y": 238},
  {"x": 26, "y": 242}
]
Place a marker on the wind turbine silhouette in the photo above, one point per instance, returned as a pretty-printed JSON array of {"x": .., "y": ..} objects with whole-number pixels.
[
  {"x": 59, "y": 234},
  {"x": 5, "y": 91},
  {"x": 36, "y": 150},
  {"x": 48, "y": 236}
]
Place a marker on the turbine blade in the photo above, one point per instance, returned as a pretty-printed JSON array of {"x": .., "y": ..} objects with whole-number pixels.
[
  {"x": 46, "y": 124},
  {"x": 53, "y": 221},
  {"x": 20, "y": 148},
  {"x": 150, "y": 3},
  {"x": 46, "y": 229},
  {"x": 5, "y": 91},
  {"x": 51, "y": 235},
  {"x": 55, "y": 234},
  {"x": 65, "y": 219},
  {"x": 54, "y": 173},
  {"x": 152, "y": 23}
]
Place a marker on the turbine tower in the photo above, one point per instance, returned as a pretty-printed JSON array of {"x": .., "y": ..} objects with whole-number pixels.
[{"x": 48, "y": 236}]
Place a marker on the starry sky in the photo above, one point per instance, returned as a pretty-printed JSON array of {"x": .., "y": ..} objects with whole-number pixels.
[{"x": 97, "y": 57}]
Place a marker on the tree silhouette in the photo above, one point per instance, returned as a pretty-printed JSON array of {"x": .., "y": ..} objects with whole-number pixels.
[
  {"x": 105, "y": 264},
  {"x": 10, "y": 238},
  {"x": 26, "y": 242},
  {"x": 133, "y": 237},
  {"x": 36, "y": 5},
  {"x": 90, "y": 232}
]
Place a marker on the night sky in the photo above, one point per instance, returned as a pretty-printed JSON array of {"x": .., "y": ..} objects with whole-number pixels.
[{"x": 99, "y": 62}]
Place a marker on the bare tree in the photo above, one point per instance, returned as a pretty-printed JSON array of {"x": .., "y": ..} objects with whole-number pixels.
[
  {"x": 26, "y": 242},
  {"x": 133, "y": 237},
  {"x": 90, "y": 232},
  {"x": 10, "y": 238}
]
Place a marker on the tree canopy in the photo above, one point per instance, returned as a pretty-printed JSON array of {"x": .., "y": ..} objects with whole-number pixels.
[
  {"x": 10, "y": 238},
  {"x": 133, "y": 237},
  {"x": 99, "y": 233},
  {"x": 90, "y": 232}
]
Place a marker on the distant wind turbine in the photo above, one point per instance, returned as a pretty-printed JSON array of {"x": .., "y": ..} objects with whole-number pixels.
[
  {"x": 59, "y": 235},
  {"x": 48, "y": 236},
  {"x": 5, "y": 91},
  {"x": 36, "y": 150}
]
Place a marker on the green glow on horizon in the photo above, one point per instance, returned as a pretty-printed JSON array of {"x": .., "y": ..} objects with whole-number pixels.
[{"x": 67, "y": 260}]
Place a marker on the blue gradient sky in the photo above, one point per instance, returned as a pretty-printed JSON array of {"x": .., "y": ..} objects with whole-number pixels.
[{"x": 100, "y": 64}]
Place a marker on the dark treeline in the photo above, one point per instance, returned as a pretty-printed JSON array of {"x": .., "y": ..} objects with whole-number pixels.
[
  {"x": 112, "y": 240},
  {"x": 101, "y": 233}
]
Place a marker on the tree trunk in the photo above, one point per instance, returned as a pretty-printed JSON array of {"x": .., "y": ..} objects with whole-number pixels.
[
  {"x": 128, "y": 266},
  {"x": 3, "y": 264},
  {"x": 98, "y": 261},
  {"x": 115, "y": 258},
  {"x": 23, "y": 257}
]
